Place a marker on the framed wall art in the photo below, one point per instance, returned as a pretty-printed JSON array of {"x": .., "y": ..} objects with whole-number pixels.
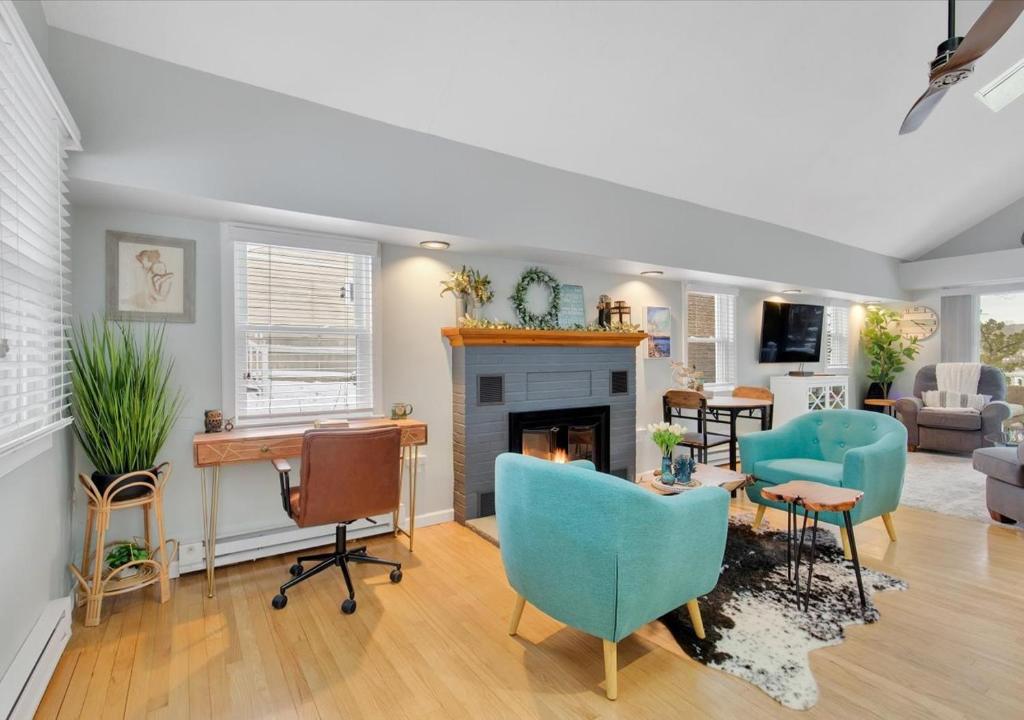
[{"x": 150, "y": 278}]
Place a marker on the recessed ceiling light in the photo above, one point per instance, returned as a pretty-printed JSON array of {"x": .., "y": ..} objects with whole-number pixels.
[
  {"x": 652, "y": 273},
  {"x": 793, "y": 291},
  {"x": 435, "y": 245},
  {"x": 1004, "y": 89}
]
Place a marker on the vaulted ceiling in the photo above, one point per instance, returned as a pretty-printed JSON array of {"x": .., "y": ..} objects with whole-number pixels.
[{"x": 782, "y": 111}]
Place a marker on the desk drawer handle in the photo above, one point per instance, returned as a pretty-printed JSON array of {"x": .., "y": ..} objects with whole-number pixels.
[{"x": 265, "y": 449}]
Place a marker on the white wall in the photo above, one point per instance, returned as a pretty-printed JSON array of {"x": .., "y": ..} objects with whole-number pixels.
[{"x": 416, "y": 359}]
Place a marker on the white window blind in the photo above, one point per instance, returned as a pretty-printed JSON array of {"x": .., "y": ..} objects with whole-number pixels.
[
  {"x": 837, "y": 338},
  {"x": 34, "y": 256},
  {"x": 303, "y": 328},
  {"x": 711, "y": 341}
]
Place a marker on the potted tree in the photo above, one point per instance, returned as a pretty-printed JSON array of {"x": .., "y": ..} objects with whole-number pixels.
[
  {"x": 887, "y": 350},
  {"x": 122, "y": 401}
]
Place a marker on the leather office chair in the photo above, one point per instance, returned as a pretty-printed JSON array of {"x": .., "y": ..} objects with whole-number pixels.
[{"x": 346, "y": 475}]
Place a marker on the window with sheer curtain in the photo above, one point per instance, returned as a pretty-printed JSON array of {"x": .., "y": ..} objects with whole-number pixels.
[
  {"x": 35, "y": 134},
  {"x": 837, "y": 335},
  {"x": 711, "y": 336},
  {"x": 303, "y": 325}
]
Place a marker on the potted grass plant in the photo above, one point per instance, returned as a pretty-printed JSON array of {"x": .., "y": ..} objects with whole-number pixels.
[{"x": 122, "y": 400}]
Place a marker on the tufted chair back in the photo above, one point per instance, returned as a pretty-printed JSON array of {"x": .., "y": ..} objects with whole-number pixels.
[{"x": 829, "y": 434}]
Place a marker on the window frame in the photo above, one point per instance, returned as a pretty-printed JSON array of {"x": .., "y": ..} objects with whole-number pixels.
[
  {"x": 733, "y": 362},
  {"x": 231, "y": 233},
  {"x": 33, "y": 78}
]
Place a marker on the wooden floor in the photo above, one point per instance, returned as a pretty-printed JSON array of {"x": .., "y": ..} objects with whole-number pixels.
[{"x": 435, "y": 646}]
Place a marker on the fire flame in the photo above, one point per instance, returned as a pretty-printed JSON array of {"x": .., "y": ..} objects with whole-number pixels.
[{"x": 560, "y": 456}]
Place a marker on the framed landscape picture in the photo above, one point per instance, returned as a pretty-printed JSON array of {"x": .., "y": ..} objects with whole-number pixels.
[
  {"x": 658, "y": 324},
  {"x": 150, "y": 278}
]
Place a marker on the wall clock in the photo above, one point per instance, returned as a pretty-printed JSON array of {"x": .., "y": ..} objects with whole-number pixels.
[{"x": 918, "y": 321}]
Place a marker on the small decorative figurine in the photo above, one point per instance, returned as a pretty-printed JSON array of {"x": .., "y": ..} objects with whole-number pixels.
[
  {"x": 604, "y": 311},
  {"x": 687, "y": 378},
  {"x": 229, "y": 425},
  {"x": 214, "y": 421}
]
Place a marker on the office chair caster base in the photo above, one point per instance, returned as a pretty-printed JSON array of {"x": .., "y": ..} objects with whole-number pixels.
[
  {"x": 279, "y": 601},
  {"x": 295, "y": 570},
  {"x": 396, "y": 575},
  {"x": 348, "y": 606}
]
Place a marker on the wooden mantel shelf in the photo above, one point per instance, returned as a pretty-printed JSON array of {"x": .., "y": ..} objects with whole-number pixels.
[{"x": 464, "y": 337}]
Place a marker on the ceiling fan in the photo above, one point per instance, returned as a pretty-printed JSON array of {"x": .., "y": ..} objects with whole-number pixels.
[{"x": 955, "y": 56}]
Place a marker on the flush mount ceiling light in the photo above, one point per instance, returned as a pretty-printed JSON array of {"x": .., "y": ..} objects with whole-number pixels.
[
  {"x": 652, "y": 273},
  {"x": 870, "y": 303},
  {"x": 1004, "y": 89},
  {"x": 435, "y": 245},
  {"x": 792, "y": 291}
]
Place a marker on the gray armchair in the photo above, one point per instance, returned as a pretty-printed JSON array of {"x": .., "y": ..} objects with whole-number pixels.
[{"x": 957, "y": 432}]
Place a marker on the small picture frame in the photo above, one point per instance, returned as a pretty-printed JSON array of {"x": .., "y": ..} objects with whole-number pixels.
[
  {"x": 150, "y": 278},
  {"x": 658, "y": 326},
  {"x": 571, "y": 311}
]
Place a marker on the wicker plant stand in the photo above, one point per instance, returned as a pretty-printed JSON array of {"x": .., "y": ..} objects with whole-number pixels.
[{"x": 93, "y": 584}]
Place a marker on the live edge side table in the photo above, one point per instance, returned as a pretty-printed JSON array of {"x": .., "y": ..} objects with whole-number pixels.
[{"x": 94, "y": 583}]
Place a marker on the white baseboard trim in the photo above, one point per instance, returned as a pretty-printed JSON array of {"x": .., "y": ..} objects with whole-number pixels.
[
  {"x": 25, "y": 681},
  {"x": 285, "y": 539}
]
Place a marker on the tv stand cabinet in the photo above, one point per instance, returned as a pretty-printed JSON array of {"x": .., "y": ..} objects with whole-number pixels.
[{"x": 795, "y": 396}]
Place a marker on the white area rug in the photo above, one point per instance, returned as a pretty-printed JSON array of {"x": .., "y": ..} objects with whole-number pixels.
[{"x": 946, "y": 484}]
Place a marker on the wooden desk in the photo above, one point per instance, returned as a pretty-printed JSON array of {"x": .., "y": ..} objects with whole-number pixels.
[{"x": 262, "y": 444}]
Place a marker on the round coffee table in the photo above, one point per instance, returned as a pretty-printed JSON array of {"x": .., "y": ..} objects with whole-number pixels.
[
  {"x": 814, "y": 497},
  {"x": 1006, "y": 439}
]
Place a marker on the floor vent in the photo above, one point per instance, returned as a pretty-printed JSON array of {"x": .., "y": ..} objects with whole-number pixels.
[
  {"x": 620, "y": 382},
  {"x": 490, "y": 389}
]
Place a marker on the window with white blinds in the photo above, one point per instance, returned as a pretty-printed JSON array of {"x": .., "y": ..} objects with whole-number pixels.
[
  {"x": 837, "y": 335},
  {"x": 303, "y": 325},
  {"x": 711, "y": 336},
  {"x": 34, "y": 257}
]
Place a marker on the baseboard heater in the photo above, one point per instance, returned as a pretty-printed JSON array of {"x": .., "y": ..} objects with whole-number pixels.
[
  {"x": 25, "y": 681},
  {"x": 272, "y": 541}
]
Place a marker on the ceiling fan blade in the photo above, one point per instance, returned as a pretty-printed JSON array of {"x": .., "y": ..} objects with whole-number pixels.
[
  {"x": 986, "y": 32},
  {"x": 922, "y": 109}
]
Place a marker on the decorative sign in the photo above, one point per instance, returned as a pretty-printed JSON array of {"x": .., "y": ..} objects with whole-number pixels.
[
  {"x": 919, "y": 321},
  {"x": 571, "y": 311}
]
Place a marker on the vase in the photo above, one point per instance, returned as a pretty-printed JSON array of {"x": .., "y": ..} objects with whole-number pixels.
[{"x": 667, "y": 477}]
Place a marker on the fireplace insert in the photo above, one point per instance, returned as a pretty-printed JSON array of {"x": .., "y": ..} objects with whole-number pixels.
[{"x": 563, "y": 434}]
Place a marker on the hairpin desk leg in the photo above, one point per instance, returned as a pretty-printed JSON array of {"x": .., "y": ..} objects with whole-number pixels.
[
  {"x": 210, "y": 525},
  {"x": 410, "y": 465}
]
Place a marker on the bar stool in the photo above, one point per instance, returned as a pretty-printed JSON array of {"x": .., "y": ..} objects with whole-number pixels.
[{"x": 93, "y": 585}]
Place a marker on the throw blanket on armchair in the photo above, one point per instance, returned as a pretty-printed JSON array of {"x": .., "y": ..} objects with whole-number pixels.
[{"x": 958, "y": 377}]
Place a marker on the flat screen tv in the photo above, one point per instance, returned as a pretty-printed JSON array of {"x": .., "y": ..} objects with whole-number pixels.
[{"x": 791, "y": 333}]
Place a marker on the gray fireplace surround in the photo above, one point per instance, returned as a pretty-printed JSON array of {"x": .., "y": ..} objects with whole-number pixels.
[{"x": 489, "y": 382}]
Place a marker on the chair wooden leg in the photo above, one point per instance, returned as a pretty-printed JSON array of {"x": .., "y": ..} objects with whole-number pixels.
[
  {"x": 695, "y": 618},
  {"x": 517, "y": 613},
  {"x": 611, "y": 670},
  {"x": 759, "y": 516},
  {"x": 846, "y": 543},
  {"x": 889, "y": 526}
]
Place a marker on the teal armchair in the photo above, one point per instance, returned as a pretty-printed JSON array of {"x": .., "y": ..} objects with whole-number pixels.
[
  {"x": 601, "y": 554},
  {"x": 847, "y": 448}
]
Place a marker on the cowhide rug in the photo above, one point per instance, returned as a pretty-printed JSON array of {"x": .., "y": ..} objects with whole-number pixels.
[{"x": 754, "y": 629}]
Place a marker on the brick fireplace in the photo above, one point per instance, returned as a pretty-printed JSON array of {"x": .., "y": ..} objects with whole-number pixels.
[{"x": 573, "y": 392}]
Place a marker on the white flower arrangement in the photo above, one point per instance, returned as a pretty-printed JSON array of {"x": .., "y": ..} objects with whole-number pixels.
[{"x": 665, "y": 435}]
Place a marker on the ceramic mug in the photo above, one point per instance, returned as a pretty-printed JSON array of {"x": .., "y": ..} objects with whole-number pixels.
[{"x": 400, "y": 411}]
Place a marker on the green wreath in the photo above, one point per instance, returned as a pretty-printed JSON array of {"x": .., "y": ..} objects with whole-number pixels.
[{"x": 518, "y": 298}]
